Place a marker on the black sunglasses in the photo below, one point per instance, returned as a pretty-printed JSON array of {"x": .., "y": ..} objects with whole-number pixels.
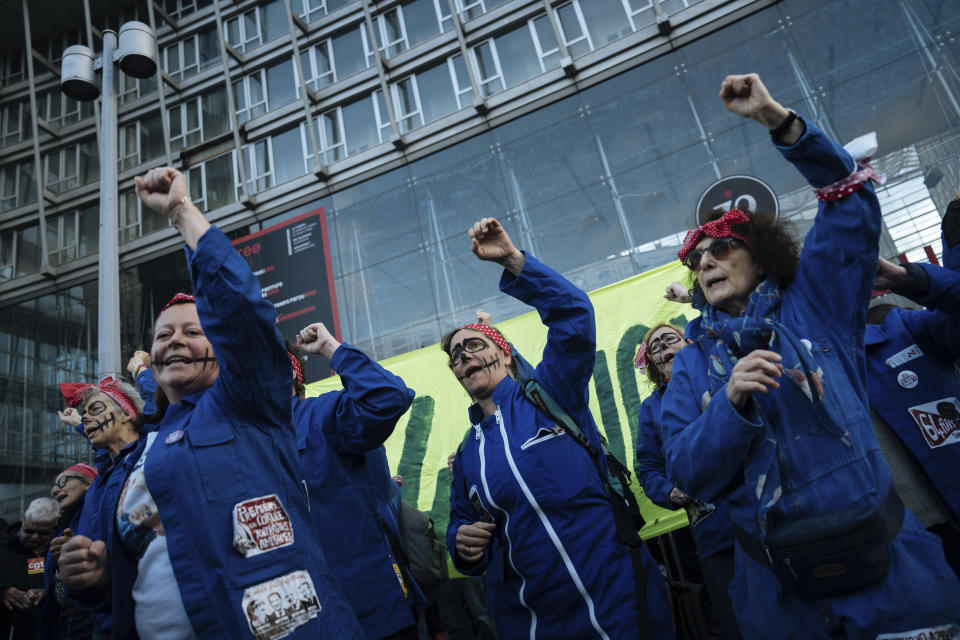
[
  {"x": 61, "y": 482},
  {"x": 718, "y": 249}
]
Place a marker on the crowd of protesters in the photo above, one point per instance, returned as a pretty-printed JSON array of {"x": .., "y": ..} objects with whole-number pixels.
[{"x": 809, "y": 441}]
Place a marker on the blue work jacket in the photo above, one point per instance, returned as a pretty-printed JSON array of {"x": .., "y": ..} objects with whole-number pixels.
[
  {"x": 222, "y": 447},
  {"x": 564, "y": 574},
  {"x": 340, "y": 437},
  {"x": 712, "y": 533},
  {"x": 97, "y": 523},
  {"x": 709, "y": 448},
  {"x": 910, "y": 360},
  {"x": 51, "y": 604}
]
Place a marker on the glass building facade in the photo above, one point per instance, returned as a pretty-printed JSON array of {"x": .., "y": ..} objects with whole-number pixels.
[{"x": 588, "y": 127}]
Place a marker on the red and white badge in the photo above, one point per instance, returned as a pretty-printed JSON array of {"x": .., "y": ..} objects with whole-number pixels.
[
  {"x": 261, "y": 525},
  {"x": 276, "y": 607},
  {"x": 35, "y": 565},
  {"x": 939, "y": 421},
  {"x": 907, "y": 379}
]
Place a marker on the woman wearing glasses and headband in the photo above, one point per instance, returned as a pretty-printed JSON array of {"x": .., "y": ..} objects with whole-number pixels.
[
  {"x": 769, "y": 407},
  {"x": 68, "y": 489},
  {"x": 211, "y": 514},
  {"x": 527, "y": 500},
  {"x": 709, "y": 522}
]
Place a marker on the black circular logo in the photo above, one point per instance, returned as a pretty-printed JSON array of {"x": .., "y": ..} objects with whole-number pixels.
[{"x": 746, "y": 193}]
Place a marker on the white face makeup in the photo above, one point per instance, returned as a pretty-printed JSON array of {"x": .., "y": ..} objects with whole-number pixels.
[
  {"x": 478, "y": 363},
  {"x": 662, "y": 348},
  {"x": 182, "y": 357},
  {"x": 728, "y": 281}
]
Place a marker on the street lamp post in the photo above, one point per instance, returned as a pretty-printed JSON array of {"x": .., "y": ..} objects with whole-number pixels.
[{"x": 136, "y": 53}]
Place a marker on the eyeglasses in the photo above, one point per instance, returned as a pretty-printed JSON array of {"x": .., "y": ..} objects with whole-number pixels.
[
  {"x": 61, "y": 482},
  {"x": 469, "y": 345},
  {"x": 719, "y": 248},
  {"x": 659, "y": 344}
]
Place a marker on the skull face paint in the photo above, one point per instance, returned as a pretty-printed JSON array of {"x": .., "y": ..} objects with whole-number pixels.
[
  {"x": 478, "y": 364},
  {"x": 104, "y": 423}
]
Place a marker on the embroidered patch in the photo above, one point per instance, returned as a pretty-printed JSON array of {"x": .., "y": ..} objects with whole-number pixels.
[
  {"x": 261, "y": 525},
  {"x": 907, "y": 379},
  {"x": 275, "y": 608},
  {"x": 905, "y": 355},
  {"x": 939, "y": 421},
  {"x": 943, "y": 632},
  {"x": 35, "y": 565}
]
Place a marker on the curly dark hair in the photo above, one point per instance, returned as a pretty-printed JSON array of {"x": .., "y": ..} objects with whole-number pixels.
[
  {"x": 772, "y": 244},
  {"x": 653, "y": 373},
  {"x": 513, "y": 369}
]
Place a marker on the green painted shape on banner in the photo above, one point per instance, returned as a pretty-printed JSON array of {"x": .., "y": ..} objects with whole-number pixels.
[
  {"x": 679, "y": 321},
  {"x": 415, "y": 447},
  {"x": 440, "y": 512},
  {"x": 608, "y": 406},
  {"x": 629, "y": 393}
]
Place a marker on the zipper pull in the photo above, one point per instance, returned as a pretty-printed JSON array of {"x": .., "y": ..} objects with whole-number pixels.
[
  {"x": 787, "y": 562},
  {"x": 476, "y": 431}
]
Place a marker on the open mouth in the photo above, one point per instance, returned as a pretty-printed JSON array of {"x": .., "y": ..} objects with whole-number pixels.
[
  {"x": 667, "y": 358},
  {"x": 177, "y": 360},
  {"x": 472, "y": 370},
  {"x": 60, "y": 497},
  {"x": 715, "y": 280},
  {"x": 92, "y": 430}
]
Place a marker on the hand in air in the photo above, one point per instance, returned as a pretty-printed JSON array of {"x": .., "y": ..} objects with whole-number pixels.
[
  {"x": 489, "y": 241},
  {"x": 676, "y": 292},
  {"x": 69, "y": 417},
  {"x": 316, "y": 339},
  {"x": 138, "y": 358},
  {"x": 163, "y": 189}
]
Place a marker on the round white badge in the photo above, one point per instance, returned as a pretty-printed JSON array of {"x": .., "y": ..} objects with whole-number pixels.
[{"x": 907, "y": 379}]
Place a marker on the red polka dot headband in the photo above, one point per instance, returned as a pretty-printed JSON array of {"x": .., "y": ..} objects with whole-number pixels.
[
  {"x": 73, "y": 393},
  {"x": 491, "y": 333},
  {"x": 719, "y": 228},
  {"x": 297, "y": 370},
  {"x": 180, "y": 298}
]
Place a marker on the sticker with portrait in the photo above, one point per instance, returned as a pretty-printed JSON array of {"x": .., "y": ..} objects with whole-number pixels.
[
  {"x": 939, "y": 421},
  {"x": 261, "y": 525},
  {"x": 275, "y": 608}
]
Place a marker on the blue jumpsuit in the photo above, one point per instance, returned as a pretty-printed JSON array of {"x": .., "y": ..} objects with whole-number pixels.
[
  {"x": 561, "y": 573},
  {"x": 340, "y": 436},
  {"x": 910, "y": 360},
  {"x": 225, "y": 447},
  {"x": 711, "y": 534},
  {"x": 709, "y": 444}
]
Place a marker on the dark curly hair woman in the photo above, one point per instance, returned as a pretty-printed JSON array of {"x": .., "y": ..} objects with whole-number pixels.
[{"x": 768, "y": 409}]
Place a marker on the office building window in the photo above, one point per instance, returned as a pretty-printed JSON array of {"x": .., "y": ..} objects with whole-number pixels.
[
  {"x": 72, "y": 166},
  {"x": 15, "y": 122},
  {"x": 258, "y": 157},
  {"x": 249, "y": 96},
  {"x": 487, "y": 67},
  {"x": 361, "y": 126},
  {"x": 191, "y": 55},
  {"x": 12, "y": 67},
  {"x": 281, "y": 86},
  {"x": 330, "y": 138},
  {"x": 470, "y": 9},
  {"x": 198, "y": 119},
  {"x": 311, "y": 10},
  {"x": 257, "y": 26},
  {"x": 73, "y": 235},
  {"x": 350, "y": 51},
  {"x": 318, "y": 67},
  {"x": 443, "y": 89},
  {"x": 212, "y": 182},
  {"x": 177, "y": 9},
  {"x": 18, "y": 186},
  {"x": 606, "y": 20},
  {"x": 141, "y": 141},
  {"x": 59, "y": 110}
]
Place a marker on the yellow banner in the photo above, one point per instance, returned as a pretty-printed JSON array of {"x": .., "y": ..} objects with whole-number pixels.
[{"x": 436, "y": 423}]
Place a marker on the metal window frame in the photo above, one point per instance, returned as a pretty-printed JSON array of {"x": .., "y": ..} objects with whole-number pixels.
[
  {"x": 397, "y": 105},
  {"x": 481, "y": 81}
]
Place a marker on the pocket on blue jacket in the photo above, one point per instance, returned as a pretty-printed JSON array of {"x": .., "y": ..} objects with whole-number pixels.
[{"x": 216, "y": 455}]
